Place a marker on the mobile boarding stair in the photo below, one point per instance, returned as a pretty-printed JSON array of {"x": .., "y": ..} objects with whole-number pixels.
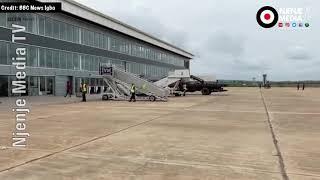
[
  {"x": 119, "y": 84},
  {"x": 175, "y": 77}
]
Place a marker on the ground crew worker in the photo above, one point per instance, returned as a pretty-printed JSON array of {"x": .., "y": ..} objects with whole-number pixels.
[
  {"x": 84, "y": 92},
  {"x": 133, "y": 93}
]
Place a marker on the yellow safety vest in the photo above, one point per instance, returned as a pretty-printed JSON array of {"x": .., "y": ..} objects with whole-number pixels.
[
  {"x": 84, "y": 88},
  {"x": 133, "y": 89}
]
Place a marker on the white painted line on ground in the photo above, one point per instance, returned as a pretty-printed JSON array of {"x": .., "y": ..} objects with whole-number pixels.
[
  {"x": 170, "y": 162},
  {"x": 55, "y": 115},
  {"x": 298, "y": 113},
  {"x": 220, "y": 110}
]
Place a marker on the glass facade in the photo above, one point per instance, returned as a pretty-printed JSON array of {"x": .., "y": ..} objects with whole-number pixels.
[
  {"x": 32, "y": 59},
  {"x": 49, "y": 58},
  {"x": 53, "y": 28},
  {"x": 35, "y": 85},
  {"x": 3, "y": 19},
  {"x": 55, "y": 59},
  {"x": 84, "y": 66},
  {"x": 3, "y": 53}
]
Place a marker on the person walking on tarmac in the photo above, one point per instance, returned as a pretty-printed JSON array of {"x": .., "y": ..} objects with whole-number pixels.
[
  {"x": 298, "y": 86},
  {"x": 68, "y": 89},
  {"x": 303, "y": 86},
  {"x": 133, "y": 93},
  {"x": 84, "y": 92}
]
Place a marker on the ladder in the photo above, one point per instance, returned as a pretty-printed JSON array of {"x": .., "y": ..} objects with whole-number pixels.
[{"x": 120, "y": 81}]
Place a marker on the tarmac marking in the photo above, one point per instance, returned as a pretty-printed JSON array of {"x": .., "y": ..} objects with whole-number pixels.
[
  {"x": 275, "y": 141},
  {"x": 303, "y": 174},
  {"x": 77, "y": 145},
  {"x": 171, "y": 162},
  {"x": 187, "y": 109},
  {"x": 55, "y": 115},
  {"x": 297, "y": 113},
  {"x": 140, "y": 108},
  {"x": 25, "y": 149},
  {"x": 95, "y": 139},
  {"x": 218, "y": 110}
]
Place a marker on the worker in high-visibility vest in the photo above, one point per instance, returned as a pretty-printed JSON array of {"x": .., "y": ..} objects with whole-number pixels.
[
  {"x": 133, "y": 93},
  {"x": 84, "y": 92}
]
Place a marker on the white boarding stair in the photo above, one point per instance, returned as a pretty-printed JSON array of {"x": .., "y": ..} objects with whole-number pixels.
[{"x": 120, "y": 82}]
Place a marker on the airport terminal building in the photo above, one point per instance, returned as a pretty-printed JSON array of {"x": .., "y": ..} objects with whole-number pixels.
[{"x": 69, "y": 46}]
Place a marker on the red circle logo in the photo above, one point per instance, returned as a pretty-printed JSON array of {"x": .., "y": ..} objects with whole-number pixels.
[{"x": 267, "y": 17}]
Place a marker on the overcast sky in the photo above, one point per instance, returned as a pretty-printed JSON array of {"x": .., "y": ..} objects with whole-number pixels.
[{"x": 225, "y": 36}]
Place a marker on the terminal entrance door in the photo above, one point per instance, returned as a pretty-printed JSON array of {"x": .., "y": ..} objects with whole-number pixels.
[
  {"x": 4, "y": 86},
  {"x": 46, "y": 86}
]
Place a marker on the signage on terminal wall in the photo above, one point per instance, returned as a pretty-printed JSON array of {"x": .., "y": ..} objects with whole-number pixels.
[
  {"x": 297, "y": 18},
  {"x": 106, "y": 70}
]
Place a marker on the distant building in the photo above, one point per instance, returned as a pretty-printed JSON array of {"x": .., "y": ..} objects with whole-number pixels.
[{"x": 264, "y": 82}]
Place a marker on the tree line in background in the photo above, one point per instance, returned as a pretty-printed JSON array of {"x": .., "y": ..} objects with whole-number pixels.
[{"x": 243, "y": 83}]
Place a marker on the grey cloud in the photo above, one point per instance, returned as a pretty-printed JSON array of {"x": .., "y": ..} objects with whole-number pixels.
[
  {"x": 225, "y": 36},
  {"x": 298, "y": 53},
  {"x": 251, "y": 64},
  {"x": 226, "y": 43},
  {"x": 143, "y": 18}
]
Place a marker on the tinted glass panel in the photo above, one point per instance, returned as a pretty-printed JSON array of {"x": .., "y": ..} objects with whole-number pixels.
[
  {"x": 76, "y": 61},
  {"x": 3, "y": 19},
  {"x": 69, "y": 32},
  {"x": 63, "y": 31},
  {"x": 63, "y": 60},
  {"x": 31, "y": 23},
  {"x": 76, "y": 34},
  {"x": 56, "y": 29},
  {"x": 49, "y": 27},
  {"x": 32, "y": 57},
  {"x": 42, "y": 57},
  {"x": 55, "y": 58},
  {"x": 69, "y": 61},
  {"x": 41, "y": 25},
  {"x": 49, "y": 63},
  {"x": 3, "y": 53},
  {"x": 83, "y": 62}
]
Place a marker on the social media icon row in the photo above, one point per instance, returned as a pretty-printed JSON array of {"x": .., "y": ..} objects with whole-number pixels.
[{"x": 281, "y": 24}]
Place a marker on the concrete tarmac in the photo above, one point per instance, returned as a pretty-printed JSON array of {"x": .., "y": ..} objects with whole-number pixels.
[{"x": 241, "y": 134}]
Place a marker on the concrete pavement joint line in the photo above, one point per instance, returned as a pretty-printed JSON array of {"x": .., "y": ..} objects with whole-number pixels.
[
  {"x": 103, "y": 157},
  {"x": 297, "y": 113},
  {"x": 199, "y": 165},
  {"x": 27, "y": 149},
  {"x": 94, "y": 139},
  {"x": 303, "y": 174},
  {"x": 199, "y": 110},
  {"x": 172, "y": 162},
  {"x": 83, "y": 143},
  {"x": 218, "y": 110},
  {"x": 275, "y": 141},
  {"x": 143, "y": 108}
]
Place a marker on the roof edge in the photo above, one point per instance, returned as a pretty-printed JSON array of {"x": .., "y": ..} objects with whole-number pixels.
[{"x": 136, "y": 32}]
